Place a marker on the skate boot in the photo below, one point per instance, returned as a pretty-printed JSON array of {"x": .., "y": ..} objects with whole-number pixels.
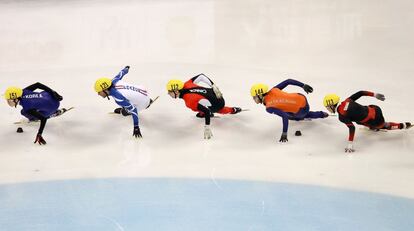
[
  {"x": 122, "y": 111},
  {"x": 58, "y": 112},
  {"x": 118, "y": 110},
  {"x": 236, "y": 110},
  {"x": 407, "y": 125}
]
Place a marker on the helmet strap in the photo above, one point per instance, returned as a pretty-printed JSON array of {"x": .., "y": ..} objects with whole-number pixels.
[
  {"x": 16, "y": 102},
  {"x": 176, "y": 93},
  {"x": 261, "y": 98},
  {"x": 107, "y": 95},
  {"x": 333, "y": 108}
]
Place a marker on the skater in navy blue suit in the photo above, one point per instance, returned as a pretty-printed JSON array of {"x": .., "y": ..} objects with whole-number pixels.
[{"x": 37, "y": 105}]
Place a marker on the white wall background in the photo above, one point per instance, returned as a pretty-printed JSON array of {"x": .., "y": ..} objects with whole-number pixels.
[{"x": 281, "y": 35}]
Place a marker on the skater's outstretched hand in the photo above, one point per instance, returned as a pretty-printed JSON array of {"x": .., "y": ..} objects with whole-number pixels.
[
  {"x": 207, "y": 132},
  {"x": 349, "y": 148},
  {"x": 308, "y": 89},
  {"x": 137, "y": 132},
  {"x": 57, "y": 96},
  {"x": 283, "y": 138},
  {"x": 379, "y": 96}
]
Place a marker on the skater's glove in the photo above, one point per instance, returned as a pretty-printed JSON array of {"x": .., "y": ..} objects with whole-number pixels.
[
  {"x": 40, "y": 140},
  {"x": 57, "y": 96},
  {"x": 127, "y": 67},
  {"x": 379, "y": 96},
  {"x": 207, "y": 132},
  {"x": 283, "y": 138},
  {"x": 350, "y": 148},
  {"x": 217, "y": 91},
  {"x": 137, "y": 132},
  {"x": 308, "y": 89}
]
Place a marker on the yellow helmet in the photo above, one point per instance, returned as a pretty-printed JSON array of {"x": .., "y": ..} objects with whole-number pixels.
[
  {"x": 102, "y": 84},
  {"x": 175, "y": 84},
  {"x": 330, "y": 100},
  {"x": 13, "y": 93},
  {"x": 259, "y": 89}
]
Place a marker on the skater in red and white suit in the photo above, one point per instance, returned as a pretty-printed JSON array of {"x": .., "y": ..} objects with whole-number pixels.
[{"x": 204, "y": 100}]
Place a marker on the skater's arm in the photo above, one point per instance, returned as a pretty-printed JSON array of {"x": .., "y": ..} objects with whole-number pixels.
[
  {"x": 202, "y": 78},
  {"x": 41, "y": 86},
  {"x": 285, "y": 119},
  {"x": 350, "y": 126},
  {"x": 359, "y": 94},
  {"x": 124, "y": 102},
  {"x": 134, "y": 113},
  {"x": 288, "y": 82},
  {"x": 282, "y": 85},
  {"x": 282, "y": 114},
  {"x": 202, "y": 106},
  {"x": 206, "y": 112},
  {"x": 40, "y": 117},
  {"x": 38, "y": 85},
  {"x": 121, "y": 74}
]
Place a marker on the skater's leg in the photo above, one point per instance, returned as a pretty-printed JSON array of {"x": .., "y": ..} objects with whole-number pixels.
[
  {"x": 229, "y": 110},
  {"x": 316, "y": 115},
  {"x": 300, "y": 115},
  {"x": 28, "y": 116},
  {"x": 122, "y": 111},
  {"x": 379, "y": 123},
  {"x": 395, "y": 126}
]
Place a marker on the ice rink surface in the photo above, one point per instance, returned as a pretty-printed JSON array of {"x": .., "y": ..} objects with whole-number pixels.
[{"x": 93, "y": 175}]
